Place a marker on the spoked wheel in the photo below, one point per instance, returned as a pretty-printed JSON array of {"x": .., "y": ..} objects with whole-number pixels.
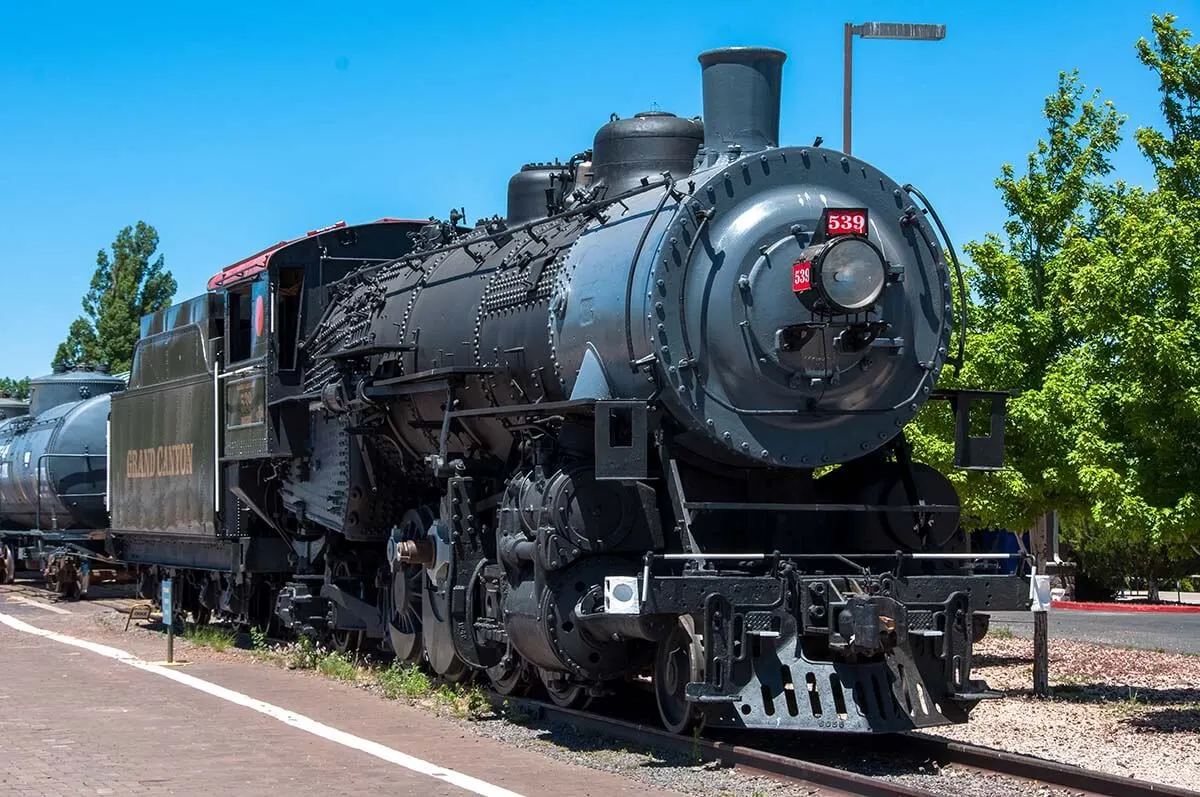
[
  {"x": 512, "y": 676},
  {"x": 564, "y": 693},
  {"x": 678, "y": 660},
  {"x": 344, "y": 641},
  {"x": 404, "y": 627},
  {"x": 437, "y": 635}
]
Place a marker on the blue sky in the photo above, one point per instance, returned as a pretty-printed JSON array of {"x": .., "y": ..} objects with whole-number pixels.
[{"x": 230, "y": 126}]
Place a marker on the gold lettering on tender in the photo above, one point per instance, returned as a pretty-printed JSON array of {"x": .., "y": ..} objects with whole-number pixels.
[{"x": 146, "y": 463}]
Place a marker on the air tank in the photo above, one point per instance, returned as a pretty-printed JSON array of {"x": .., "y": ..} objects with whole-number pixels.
[{"x": 66, "y": 440}]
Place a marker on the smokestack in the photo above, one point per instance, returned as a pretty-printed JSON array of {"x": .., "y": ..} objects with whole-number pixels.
[{"x": 741, "y": 99}]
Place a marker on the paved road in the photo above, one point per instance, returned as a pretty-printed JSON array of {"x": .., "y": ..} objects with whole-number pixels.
[
  {"x": 1179, "y": 633},
  {"x": 75, "y": 721}
]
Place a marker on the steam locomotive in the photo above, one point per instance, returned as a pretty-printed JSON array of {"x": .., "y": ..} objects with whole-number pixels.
[{"x": 649, "y": 423}]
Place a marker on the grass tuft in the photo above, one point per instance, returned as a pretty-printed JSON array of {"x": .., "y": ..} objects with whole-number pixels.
[
  {"x": 337, "y": 665},
  {"x": 403, "y": 680},
  {"x": 464, "y": 702},
  {"x": 209, "y": 636},
  {"x": 303, "y": 654}
]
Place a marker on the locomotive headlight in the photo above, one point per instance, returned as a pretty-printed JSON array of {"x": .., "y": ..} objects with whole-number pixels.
[{"x": 850, "y": 273}]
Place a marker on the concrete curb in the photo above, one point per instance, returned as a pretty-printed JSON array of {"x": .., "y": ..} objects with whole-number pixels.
[{"x": 1126, "y": 607}]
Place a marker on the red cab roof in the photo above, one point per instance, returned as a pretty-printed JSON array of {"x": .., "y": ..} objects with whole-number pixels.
[{"x": 258, "y": 261}]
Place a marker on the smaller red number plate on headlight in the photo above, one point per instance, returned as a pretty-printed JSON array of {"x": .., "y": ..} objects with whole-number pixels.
[
  {"x": 845, "y": 221},
  {"x": 801, "y": 276}
]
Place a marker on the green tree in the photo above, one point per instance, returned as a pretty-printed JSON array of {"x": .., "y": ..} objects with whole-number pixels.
[
  {"x": 125, "y": 286},
  {"x": 1020, "y": 290},
  {"x": 17, "y": 388},
  {"x": 1090, "y": 307},
  {"x": 1137, "y": 419}
]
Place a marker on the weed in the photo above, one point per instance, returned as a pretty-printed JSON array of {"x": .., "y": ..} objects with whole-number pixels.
[
  {"x": 405, "y": 680},
  {"x": 1002, "y": 632},
  {"x": 258, "y": 639},
  {"x": 465, "y": 702},
  {"x": 302, "y": 654},
  {"x": 218, "y": 639},
  {"x": 338, "y": 666},
  {"x": 260, "y": 647},
  {"x": 696, "y": 745},
  {"x": 517, "y": 713}
]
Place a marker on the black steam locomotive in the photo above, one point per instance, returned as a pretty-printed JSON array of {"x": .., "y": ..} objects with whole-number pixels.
[{"x": 648, "y": 423}]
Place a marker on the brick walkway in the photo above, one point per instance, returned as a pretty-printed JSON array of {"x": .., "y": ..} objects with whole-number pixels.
[{"x": 73, "y": 722}]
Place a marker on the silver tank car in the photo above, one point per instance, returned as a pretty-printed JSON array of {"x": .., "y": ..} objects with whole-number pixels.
[
  {"x": 64, "y": 438},
  {"x": 53, "y": 477},
  {"x": 11, "y": 407},
  {"x": 608, "y": 421}
]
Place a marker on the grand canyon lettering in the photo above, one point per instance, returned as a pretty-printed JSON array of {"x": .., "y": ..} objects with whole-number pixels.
[{"x": 173, "y": 460}]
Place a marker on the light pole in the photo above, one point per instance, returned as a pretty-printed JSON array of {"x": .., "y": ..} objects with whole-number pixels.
[{"x": 877, "y": 30}]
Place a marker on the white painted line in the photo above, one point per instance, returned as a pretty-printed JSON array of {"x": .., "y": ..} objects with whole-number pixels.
[
  {"x": 37, "y": 604},
  {"x": 298, "y": 721}
]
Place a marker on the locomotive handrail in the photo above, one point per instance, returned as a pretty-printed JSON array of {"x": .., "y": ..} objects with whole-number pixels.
[
  {"x": 637, "y": 255},
  {"x": 703, "y": 388},
  {"x": 37, "y": 522},
  {"x": 893, "y": 555},
  {"x": 758, "y": 556},
  {"x": 768, "y": 507},
  {"x": 468, "y": 239},
  {"x": 958, "y": 361}
]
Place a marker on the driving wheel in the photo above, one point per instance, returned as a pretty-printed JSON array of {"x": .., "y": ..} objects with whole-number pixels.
[
  {"x": 564, "y": 693},
  {"x": 343, "y": 575},
  {"x": 678, "y": 661}
]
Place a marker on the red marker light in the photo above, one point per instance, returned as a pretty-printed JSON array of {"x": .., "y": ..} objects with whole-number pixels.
[
  {"x": 801, "y": 276},
  {"x": 850, "y": 221},
  {"x": 259, "y": 316}
]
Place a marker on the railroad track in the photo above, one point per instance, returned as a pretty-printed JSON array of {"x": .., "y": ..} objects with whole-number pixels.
[
  {"x": 1084, "y": 781},
  {"x": 750, "y": 751},
  {"x": 107, "y": 595},
  {"x": 835, "y": 780}
]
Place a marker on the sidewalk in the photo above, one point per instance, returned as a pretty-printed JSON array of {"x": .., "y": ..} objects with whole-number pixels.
[{"x": 77, "y": 722}]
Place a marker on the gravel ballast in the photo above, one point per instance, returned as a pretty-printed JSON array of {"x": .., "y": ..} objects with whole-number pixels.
[{"x": 1133, "y": 713}]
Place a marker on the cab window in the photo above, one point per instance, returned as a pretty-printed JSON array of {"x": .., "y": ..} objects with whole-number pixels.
[
  {"x": 247, "y": 321},
  {"x": 291, "y": 287}
]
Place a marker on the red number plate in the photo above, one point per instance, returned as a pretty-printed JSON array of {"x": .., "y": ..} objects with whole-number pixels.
[
  {"x": 845, "y": 221},
  {"x": 801, "y": 276}
]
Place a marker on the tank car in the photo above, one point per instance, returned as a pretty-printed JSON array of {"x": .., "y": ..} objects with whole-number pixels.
[
  {"x": 648, "y": 426},
  {"x": 53, "y": 477},
  {"x": 11, "y": 407}
]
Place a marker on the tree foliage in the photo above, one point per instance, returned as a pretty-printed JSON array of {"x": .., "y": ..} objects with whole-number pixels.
[
  {"x": 125, "y": 286},
  {"x": 17, "y": 388},
  {"x": 1089, "y": 306}
]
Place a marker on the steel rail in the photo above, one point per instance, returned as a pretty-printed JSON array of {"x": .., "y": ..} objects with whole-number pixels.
[
  {"x": 1022, "y": 767},
  {"x": 1039, "y": 769},
  {"x": 707, "y": 750}
]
